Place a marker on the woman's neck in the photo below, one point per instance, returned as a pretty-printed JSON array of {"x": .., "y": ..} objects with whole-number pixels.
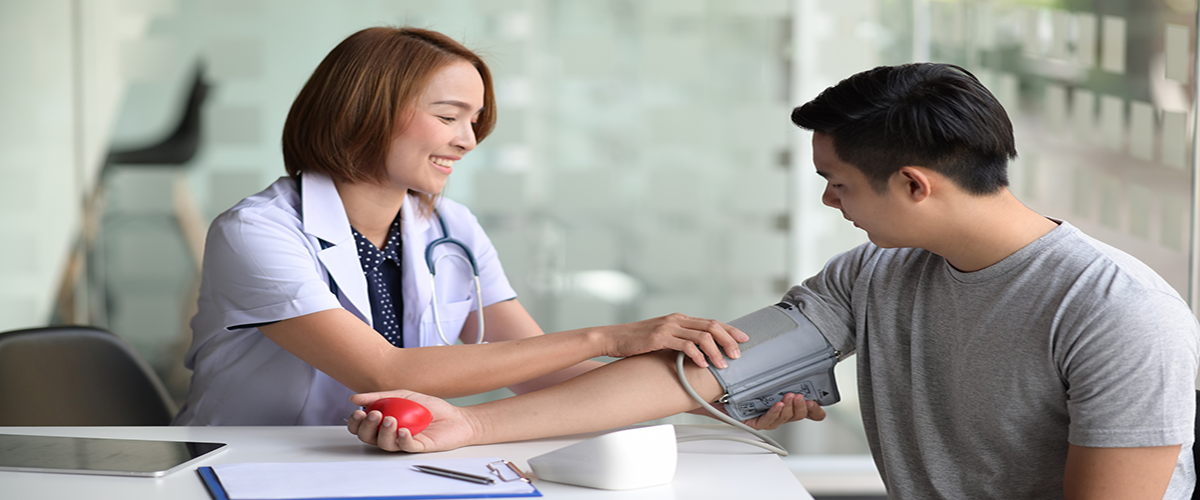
[{"x": 371, "y": 208}]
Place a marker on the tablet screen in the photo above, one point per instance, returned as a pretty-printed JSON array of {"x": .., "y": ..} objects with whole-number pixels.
[{"x": 121, "y": 457}]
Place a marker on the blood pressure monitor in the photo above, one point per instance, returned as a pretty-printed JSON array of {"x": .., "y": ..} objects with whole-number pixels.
[{"x": 785, "y": 354}]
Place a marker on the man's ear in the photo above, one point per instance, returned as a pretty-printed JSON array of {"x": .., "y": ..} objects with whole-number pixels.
[{"x": 915, "y": 183}]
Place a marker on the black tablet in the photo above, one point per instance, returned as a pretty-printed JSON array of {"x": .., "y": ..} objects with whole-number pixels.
[{"x": 116, "y": 457}]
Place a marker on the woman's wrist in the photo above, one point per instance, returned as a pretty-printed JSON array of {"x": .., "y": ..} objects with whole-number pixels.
[{"x": 598, "y": 340}]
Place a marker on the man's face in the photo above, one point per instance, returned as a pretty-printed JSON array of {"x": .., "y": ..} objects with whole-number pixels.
[{"x": 848, "y": 189}]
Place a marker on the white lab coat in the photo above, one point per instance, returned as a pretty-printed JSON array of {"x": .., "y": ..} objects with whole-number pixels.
[{"x": 264, "y": 261}]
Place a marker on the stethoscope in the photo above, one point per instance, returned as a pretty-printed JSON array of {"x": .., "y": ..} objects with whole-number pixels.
[
  {"x": 469, "y": 258},
  {"x": 432, "y": 264}
]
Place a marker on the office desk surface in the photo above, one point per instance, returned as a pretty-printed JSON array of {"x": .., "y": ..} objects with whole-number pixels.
[{"x": 708, "y": 469}]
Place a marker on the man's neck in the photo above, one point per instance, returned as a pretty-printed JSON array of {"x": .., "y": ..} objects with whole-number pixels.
[{"x": 982, "y": 231}]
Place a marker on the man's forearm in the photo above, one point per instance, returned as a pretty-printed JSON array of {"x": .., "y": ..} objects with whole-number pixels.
[
  {"x": 624, "y": 392},
  {"x": 556, "y": 378}
]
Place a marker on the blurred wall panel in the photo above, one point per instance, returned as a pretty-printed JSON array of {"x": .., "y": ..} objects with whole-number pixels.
[{"x": 65, "y": 68}]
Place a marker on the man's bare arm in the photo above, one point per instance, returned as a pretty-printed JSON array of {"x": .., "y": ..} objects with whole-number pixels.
[
  {"x": 624, "y": 392},
  {"x": 1118, "y": 473}
]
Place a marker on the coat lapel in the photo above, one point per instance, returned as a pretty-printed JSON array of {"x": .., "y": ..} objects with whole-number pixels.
[
  {"x": 418, "y": 232},
  {"x": 325, "y": 218}
]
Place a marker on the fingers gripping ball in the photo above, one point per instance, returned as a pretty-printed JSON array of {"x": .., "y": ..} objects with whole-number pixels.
[{"x": 408, "y": 414}]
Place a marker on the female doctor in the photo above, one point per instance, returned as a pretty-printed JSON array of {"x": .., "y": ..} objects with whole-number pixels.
[{"x": 320, "y": 287}]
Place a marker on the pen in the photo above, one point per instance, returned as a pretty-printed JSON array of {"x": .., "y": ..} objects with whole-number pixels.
[{"x": 463, "y": 476}]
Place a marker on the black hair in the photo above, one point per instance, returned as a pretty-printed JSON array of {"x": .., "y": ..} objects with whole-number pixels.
[{"x": 931, "y": 115}]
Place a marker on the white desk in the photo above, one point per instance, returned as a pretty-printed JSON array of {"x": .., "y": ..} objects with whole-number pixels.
[{"x": 708, "y": 469}]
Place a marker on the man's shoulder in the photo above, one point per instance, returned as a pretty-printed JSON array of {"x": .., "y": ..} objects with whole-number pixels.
[
  {"x": 881, "y": 262},
  {"x": 870, "y": 252},
  {"x": 1097, "y": 284},
  {"x": 1091, "y": 260}
]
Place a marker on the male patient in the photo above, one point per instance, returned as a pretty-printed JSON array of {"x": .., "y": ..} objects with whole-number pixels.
[{"x": 1001, "y": 353}]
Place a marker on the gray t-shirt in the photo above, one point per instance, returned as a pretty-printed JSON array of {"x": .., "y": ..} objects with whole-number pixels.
[{"x": 973, "y": 384}]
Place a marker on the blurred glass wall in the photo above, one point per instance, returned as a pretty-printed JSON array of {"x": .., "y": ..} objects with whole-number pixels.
[{"x": 1102, "y": 95}]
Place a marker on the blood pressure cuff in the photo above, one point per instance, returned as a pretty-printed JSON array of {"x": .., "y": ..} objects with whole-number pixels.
[{"x": 785, "y": 354}]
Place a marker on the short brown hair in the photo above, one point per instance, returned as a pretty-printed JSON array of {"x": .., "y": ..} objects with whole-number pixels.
[{"x": 343, "y": 121}]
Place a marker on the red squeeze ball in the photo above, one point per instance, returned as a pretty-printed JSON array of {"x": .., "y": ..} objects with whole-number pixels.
[{"x": 408, "y": 414}]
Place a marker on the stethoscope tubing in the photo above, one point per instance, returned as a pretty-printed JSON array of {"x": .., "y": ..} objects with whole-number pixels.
[
  {"x": 431, "y": 263},
  {"x": 447, "y": 239}
]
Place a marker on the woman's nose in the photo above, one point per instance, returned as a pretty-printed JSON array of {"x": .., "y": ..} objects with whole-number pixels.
[{"x": 465, "y": 139}]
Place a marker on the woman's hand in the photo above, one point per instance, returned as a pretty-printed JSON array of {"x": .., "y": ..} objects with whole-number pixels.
[
  {"x": 793, "y": 407},
  {"x": 450, "y": 428},
  {"x": 695, "y": 337}
]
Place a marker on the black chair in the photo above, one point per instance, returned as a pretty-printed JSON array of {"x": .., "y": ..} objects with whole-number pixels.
[
  {"x": 77, "y": 376},
  {"x": 179, "y": 145}
]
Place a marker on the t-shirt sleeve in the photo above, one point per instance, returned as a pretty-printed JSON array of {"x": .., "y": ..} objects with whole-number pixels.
[
  {"x": 827, "y": 298},
  {"x": 260, "y": 269},
  {"x": 1130, "y": 373}
]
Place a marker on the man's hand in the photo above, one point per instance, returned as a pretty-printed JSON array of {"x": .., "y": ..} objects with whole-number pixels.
[
  {"x": 792, "y": 408},
  {"x": 450, "y": 428}
]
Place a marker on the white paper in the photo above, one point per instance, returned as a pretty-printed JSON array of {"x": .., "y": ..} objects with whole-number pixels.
[{"x": 381, "y": 478}]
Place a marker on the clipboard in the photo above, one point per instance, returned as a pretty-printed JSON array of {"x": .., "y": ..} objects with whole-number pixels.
[{"x": 360, "y": 480}]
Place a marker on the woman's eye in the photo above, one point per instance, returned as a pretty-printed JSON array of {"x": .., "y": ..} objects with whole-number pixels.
[{"x": 447, "y": 119}]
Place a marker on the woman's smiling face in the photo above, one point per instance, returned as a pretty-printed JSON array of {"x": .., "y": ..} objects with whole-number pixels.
[{"x": 439, "y": 132}]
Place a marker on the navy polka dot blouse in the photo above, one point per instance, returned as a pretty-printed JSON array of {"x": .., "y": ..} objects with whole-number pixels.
[{"x": 382, "y": 270}]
